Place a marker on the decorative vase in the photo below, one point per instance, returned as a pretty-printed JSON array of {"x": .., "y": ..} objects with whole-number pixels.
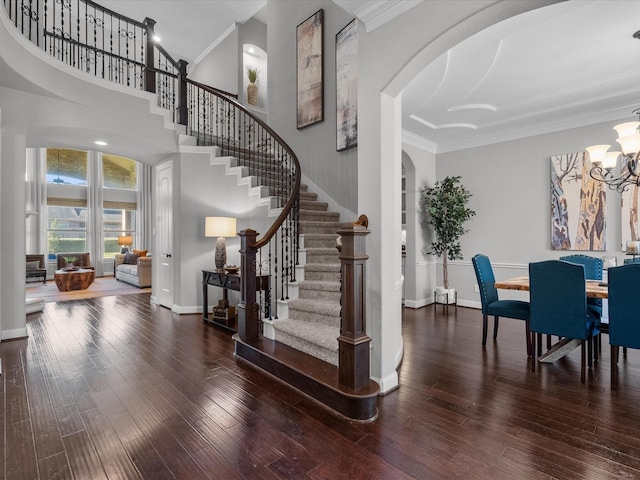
[{"x": 252, "y": 94}]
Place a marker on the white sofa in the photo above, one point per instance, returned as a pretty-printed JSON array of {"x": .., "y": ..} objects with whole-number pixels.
[{"x": 138, "y": 274}]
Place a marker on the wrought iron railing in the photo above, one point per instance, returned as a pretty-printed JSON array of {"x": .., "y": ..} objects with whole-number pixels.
[{"x": 110, "y": 46}]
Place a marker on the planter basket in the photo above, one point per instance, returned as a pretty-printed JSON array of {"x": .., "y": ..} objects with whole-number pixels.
[{"x": 445, "y": 297}]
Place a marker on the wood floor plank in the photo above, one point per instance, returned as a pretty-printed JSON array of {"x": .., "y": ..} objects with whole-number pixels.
[{"x": 118, "y": 388}]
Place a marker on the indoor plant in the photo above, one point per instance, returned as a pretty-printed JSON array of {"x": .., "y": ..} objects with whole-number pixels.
[
  {"x": 445, "y": 209},
  {"x": 69, "y": 262},
  {"x": 252, "y": 88}
]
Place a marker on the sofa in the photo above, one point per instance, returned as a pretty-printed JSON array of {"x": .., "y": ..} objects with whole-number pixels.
[{"x": 134, "y": 269}]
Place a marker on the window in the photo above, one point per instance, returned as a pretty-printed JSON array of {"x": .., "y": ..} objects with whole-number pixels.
[
  {"x": 66, "y": 167},
  {"x": 118, "y": 218},
  {"x": 118, "y": 172},
  {"x": 67, "y": 228},
  {"x": 70, "y": 223}
]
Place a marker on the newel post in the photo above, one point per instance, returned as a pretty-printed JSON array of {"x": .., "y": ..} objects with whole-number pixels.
[
  {"x": 182, "y": 92},
  {"x": 248, "y": 309},
  {"x": 149, "y": 73},
  {"x": 353, "y": 342}
]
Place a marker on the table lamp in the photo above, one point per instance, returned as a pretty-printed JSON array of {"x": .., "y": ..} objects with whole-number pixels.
[
  {"x": 125, "y": 241},
  {"x": 220, "y": 227}
]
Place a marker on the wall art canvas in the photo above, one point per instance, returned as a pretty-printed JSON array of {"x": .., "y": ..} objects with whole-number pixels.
[
  {"x": 310, "y": 75},
  {"x": 578, "y": 205},
  {"x": 629, "y": 216},
  {"x": 347, "y": 87}
]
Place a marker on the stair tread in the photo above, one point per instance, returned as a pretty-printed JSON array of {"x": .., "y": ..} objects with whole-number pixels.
[
  {"x": 325, "y": 336},
  {"x": 314, "y": 305},
  {"x": 324, "y": 285},
  {"x": 323, "y": 267}
]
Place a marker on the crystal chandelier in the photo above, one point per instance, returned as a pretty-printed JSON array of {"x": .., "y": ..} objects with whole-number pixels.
[{"x": 604, "y": 161}]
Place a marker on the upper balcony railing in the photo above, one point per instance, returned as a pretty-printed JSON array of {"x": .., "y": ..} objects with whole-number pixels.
[{"x": 110, "y": 46}]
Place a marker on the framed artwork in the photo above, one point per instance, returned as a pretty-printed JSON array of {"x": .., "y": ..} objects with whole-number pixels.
[
  {"x": 310, "y": 71},
  {"x": 347, "y": 86},
  {"x": 629, "y": 217},
  {"x": 578, "y": 205}
]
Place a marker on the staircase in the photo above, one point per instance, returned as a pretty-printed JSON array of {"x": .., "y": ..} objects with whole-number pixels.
[
  {"x": 311, "y": 322},
  {"x": 302, "y": 346}
]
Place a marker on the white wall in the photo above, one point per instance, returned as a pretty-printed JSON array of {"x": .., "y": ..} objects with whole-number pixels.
[
  {"x": 205, "y": 190},
  {"x": 420, "y": 269},
  {"x": 334, "y": 172},
  {"x": 218, "y": 68},
  {"x": 510, "y": 183}
]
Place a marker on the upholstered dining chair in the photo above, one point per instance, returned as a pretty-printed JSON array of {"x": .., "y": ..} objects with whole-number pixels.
[
  {"x": 624, "y": 315},
  {"x": 593, "y": 267},
  {"x": 492, "y": 305},
  {"x": 558, "y": 298}
]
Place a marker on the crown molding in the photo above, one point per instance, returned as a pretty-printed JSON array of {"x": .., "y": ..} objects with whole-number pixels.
[
  {"x": 216, "y": 42},
  {"x": 417, "y": 141},
  {"x": 375, "y": 13}
]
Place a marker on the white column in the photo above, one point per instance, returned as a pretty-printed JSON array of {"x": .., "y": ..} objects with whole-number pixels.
[{"x": 12, "y": 234}]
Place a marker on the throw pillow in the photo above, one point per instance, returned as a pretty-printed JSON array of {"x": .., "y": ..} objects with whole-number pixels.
[
  {"x": 140, "y": 253},
  {"x": 130, "y": 258},
  {"x": 33, "y": 265}
]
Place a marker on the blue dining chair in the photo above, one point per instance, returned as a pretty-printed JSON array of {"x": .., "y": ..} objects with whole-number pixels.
[
  {"x": 558, "y": 305},
  {"x": 624, "y": 315},
  {"x": 492, "y": 305},
  {"x": 631, "y": 261},
  {"x": 593, "y": 267}
]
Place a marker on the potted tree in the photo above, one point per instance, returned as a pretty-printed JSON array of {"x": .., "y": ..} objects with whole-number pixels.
[{"x": 445, "y": 208}]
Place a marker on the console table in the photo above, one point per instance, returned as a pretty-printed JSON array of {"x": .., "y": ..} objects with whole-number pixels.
[{"x": 224, "y": 315}]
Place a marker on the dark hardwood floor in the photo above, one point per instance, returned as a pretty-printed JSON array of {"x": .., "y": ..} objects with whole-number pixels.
[{"x": 116, "y": 388}]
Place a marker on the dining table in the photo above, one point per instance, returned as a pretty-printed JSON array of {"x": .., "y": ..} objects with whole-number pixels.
[{"x": 594, "y": 288}]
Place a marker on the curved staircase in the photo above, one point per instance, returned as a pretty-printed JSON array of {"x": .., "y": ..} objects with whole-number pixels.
[{"x": 311, "y": 320}]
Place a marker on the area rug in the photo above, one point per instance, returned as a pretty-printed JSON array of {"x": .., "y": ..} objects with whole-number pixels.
[{"x": 101, "y": 287}]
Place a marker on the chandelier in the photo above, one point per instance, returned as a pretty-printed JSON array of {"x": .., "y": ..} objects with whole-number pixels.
[{"x": 604, "y": 162}]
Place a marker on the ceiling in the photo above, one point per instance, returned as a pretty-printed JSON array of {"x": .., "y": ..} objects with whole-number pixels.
[
  {"x": 189, "y": 28},
  {"x": 566, "y": 65}
]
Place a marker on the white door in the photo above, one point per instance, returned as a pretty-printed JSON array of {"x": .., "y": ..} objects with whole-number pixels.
[{"x": 164, "y": 239}]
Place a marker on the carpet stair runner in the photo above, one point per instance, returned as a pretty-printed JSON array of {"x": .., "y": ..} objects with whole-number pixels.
[{"x": 311, "y": 322}]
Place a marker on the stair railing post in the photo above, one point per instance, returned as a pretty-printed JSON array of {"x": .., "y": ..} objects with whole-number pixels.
[
  {"x": 248, "y": 309},
  {"x": 182, "y": 92},
  {"x": 353, "y": 342},
  {"x": 149, "y": 73}
]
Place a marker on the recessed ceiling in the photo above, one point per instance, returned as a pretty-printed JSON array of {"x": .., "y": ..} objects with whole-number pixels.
[{"x": 566, "y": 65}]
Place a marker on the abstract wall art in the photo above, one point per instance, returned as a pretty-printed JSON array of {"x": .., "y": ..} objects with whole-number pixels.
[
  {"x": 310, "y": 71},
  {"x": 347, "y": 87},
  {"x": 578, "y": 205}
]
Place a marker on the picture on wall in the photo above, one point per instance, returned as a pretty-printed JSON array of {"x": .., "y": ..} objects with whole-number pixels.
[
  {"x": 578, "y": 205},
  {"x": 629, "y": 216},
  {"x": 310, "y": 74},
  {"x": 347, "y": 86}
]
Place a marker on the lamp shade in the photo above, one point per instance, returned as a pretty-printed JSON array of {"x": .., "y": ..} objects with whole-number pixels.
[
  {"x": 597, "y": 152},
  {"x": 125, "y": 240},
  {"x": 220, "y": 227},
  {"x": 626, "y": 129},
  {"x": 630, "y": 144}
]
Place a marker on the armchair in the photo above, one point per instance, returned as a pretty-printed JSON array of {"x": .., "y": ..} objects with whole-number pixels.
[
  {"x": 36, "y": 268},
  {"x": 133, "y": 269}
]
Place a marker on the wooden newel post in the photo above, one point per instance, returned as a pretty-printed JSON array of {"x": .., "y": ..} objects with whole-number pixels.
[
  {"x": 150, "y": 50},
  {"x": 182, "y": 92},
  {"x": 353, "y": 342},
  {"x": 248, "y": 309}
]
